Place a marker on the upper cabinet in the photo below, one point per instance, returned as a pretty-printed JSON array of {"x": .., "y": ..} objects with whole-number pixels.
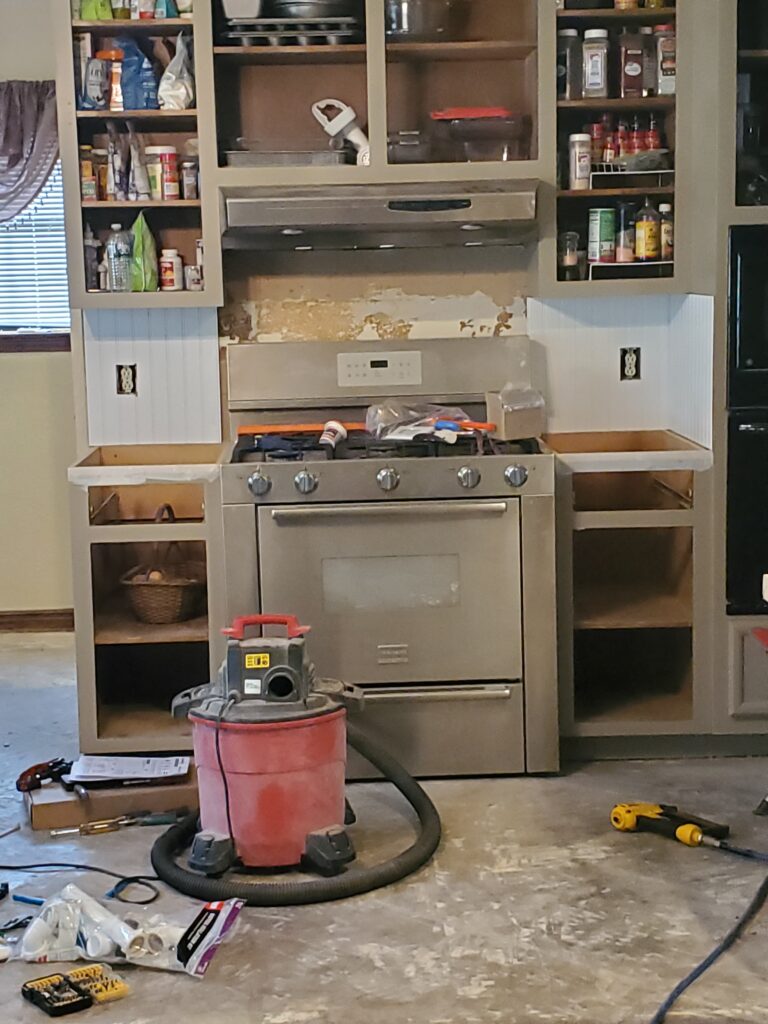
[
  {"x": 130, "y": 146},
  {"x": 328, "y": 91},
  {"x": 752, "y": 107},
  {"x": 617, "y": 141}
]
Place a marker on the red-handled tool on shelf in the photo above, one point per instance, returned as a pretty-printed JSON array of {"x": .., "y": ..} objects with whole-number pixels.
[{"x": 239, "y": 625}]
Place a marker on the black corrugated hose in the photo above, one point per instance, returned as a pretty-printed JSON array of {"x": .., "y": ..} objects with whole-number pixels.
[{"x": 316, "y": 890}]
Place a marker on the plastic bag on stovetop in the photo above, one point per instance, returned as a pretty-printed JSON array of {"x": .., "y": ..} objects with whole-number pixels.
[{"x": 419, "y": 417}]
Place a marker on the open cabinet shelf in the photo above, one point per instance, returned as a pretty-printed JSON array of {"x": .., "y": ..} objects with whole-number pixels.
[{"x": 646, "y": 16}]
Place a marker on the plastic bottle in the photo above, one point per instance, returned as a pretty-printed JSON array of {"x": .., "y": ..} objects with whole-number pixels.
[
  {"x": 171, "y": 271},
  {"x": 667, "y": 232},
  {"x": 648, "y": 233},
  {"x": 119, "y": 248}
]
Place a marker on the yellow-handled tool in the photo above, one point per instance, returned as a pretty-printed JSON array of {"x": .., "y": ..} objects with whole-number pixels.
[{"x": 667, "y": 820}]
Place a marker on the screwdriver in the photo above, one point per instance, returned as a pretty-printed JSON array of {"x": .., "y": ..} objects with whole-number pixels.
[{"x": 97, "y": 828}]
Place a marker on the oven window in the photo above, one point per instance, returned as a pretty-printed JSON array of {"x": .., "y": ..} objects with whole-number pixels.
[{"x": 386, "y": 584}]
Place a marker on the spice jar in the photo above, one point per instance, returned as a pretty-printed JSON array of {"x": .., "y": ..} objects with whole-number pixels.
[
  {"x": 667, "y": 232},
  {"x": 595, "y": 63},
  {"x": 625, "y": 233},
  {"x": 88, "y": 189},
  {"x": 626, "y": 5},
  {"x": 569, "y": 67},
  {"x": 189, "y": 189},
  {"x": 649, "y": 60},
  {"x": 171, "y": 271},
  {"x": 101, "y": 170},
  {"x": 666, "y": 59},
  {"x": 580, "y": 163},
  {"x": 568, "y": 256},
  {"x": 631, "y": 65}
]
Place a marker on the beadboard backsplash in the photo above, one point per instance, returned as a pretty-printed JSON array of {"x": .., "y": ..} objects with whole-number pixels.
[{"x": 176, "y": 356}]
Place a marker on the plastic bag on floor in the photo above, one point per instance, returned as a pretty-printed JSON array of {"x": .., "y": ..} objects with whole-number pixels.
[{"x": 74, "y": 926}]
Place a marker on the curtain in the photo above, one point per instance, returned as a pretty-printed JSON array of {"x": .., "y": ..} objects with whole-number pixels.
[{"x": 29, "y": 143}]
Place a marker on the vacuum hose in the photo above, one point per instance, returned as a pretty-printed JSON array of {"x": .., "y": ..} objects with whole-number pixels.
[{"x": 316, "y": 890}]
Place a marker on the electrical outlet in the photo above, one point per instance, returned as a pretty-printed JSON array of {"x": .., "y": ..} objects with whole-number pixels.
[
  {"x": 630, "y": 364},
  {"x": 126, "y": 378}
]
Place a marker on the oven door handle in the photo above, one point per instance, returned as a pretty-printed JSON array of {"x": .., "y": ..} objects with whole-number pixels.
[
  {"x": 406, "y": 509},
  {"x": 429, "y": 694}
]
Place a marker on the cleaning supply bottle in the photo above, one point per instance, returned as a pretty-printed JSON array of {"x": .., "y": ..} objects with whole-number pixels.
[{"x": 119, "y": 248}]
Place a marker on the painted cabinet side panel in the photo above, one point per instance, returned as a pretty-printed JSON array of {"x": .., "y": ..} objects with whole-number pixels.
[{"x": 175, "y": 353}]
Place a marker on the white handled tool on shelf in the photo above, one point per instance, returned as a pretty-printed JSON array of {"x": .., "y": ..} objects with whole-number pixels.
[{"x": 339, "y": 120}]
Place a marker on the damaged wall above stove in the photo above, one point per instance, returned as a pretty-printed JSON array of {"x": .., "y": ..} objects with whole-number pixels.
[{"x": 392, "y": 297}]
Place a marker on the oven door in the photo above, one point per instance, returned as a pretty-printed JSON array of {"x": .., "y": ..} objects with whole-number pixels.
[{"x": 424, "y": 591}]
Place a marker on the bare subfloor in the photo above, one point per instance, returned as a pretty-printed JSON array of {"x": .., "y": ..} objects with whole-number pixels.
[{"x": 533, "y": 911}]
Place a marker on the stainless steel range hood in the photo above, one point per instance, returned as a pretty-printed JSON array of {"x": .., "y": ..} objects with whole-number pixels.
[{"x": 410, "y": 216}]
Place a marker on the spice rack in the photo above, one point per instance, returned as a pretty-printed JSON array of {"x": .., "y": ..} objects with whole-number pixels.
[
  {"x": 176, "y": 219},
  {"x": 636, "y": 134}
]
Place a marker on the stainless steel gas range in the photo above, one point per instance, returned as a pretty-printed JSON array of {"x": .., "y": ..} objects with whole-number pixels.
[{"x": 426, "y": 570}]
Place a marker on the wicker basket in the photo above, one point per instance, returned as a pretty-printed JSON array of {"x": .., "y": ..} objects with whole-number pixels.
[{"x": 168, "y": 600}]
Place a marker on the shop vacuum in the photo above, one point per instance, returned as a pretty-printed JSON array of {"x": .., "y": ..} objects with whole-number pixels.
[{"x": 270, "y": 741}]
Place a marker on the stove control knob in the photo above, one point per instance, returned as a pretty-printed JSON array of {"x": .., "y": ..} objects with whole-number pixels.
[
  {"x": 259, "y": 484},
  {"x": 469, "y": 477},
  {"x": 515, "y": 475},
  {"x": 388, "y": 479},
  {"x": 305, "y": 482}
]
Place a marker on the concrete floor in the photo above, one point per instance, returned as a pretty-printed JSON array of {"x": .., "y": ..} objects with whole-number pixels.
[{"x": 534, "y": 910}]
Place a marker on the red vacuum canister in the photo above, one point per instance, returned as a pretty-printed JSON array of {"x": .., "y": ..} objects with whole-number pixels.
[{"x": 270, "y": 747}]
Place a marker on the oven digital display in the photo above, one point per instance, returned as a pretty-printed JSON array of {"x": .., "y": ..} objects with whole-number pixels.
[{"x": 379, "y": 364}]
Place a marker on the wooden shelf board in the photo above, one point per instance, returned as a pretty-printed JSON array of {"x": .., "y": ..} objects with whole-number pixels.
[
  {"x": 640, "y": 103},
  {"x": 143, "y": 115},
  {"x": 134, "y": 721},
  {"x": 636, "y": 606},
  {"x": 116, "y": 624},
  {"x": 753, "y": 54},
  {"x": 662, "y": 707},
  {"x": 139, "y": 204},
  {"x": 660, "y": 14},
  {"x": 594, "y": 193},
  {"x": 348, "y": 53},
  {"x": 117, "y": 25},
  {"x": 484, "y": 49}
]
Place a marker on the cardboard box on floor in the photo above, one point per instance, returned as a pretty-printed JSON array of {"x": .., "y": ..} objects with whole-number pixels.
[{"x": 53, "y": 807}]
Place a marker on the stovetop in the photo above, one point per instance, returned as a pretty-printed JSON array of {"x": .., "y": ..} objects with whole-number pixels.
[{"x": 360, "y": 445}]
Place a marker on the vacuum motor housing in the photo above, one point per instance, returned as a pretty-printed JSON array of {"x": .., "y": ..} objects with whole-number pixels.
[{"x": 270, "y": 747}]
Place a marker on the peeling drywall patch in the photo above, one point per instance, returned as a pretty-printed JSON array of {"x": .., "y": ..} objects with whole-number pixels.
[{"x": 386, "y": 315}]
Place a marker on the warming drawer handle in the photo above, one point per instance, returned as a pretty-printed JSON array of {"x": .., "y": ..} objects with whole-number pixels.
[
  {"x": 426, "y": 509},
  {"x": 429, "y": 696}
]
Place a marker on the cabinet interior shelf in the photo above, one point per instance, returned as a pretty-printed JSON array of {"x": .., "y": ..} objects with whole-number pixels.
[
  {"x": 355, "y": 53},
  {"x": 753, "y": 55},
  {"x": 639, "y": 103},
  {"x": 643, "y": 606},
  {"x": 116, "y": 624},
  {"x": 116, "y": 25},
  {"x": 659, "y": 14},
  {"x": 344, "y": 53},
  {"x": 139, "y": 204},
  {"x": 136, "y": 115},
  {"x": 594, "y": 193},
  {"x": 481, "y": 49},
  {"x": 144, "y": 728}
]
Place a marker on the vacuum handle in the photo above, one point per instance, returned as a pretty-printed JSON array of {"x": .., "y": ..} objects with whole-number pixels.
[{"x": 241, "y": 623}]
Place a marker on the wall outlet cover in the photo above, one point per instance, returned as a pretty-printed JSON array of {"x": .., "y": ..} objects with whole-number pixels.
[
  {"x": 629, "y": 368},
  {"x": 126, "y": 378}
]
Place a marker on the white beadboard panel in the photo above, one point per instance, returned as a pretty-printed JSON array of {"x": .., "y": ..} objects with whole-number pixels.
[
  {"x": 690, "y": 358},
  {"x": 576, "y": 355},
  {"x": 576, "y": 358},
  {"x": 176, "y": 352}
]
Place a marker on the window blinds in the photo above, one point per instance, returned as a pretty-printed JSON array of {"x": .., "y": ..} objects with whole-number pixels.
[{"x": 34, "y": 295}]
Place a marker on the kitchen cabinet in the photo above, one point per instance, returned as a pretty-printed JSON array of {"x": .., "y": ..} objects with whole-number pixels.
[
  {"x": 175, "y": 223},
  {"x": 633, "y": 555},
  {"x": 128, "y": 670}
]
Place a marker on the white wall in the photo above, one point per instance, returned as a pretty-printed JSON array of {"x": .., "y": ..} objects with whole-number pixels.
[{"x": 36, "y": 414}]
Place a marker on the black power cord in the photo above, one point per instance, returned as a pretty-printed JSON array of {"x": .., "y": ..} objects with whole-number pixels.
[
  {"x": 117, "y": 891},
  {"x": 222, "y": 712}
]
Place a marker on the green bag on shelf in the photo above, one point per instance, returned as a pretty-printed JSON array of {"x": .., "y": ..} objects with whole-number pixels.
[
  {"x": 144, "y": 259},
  {"x": 96, "y": 10}
]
